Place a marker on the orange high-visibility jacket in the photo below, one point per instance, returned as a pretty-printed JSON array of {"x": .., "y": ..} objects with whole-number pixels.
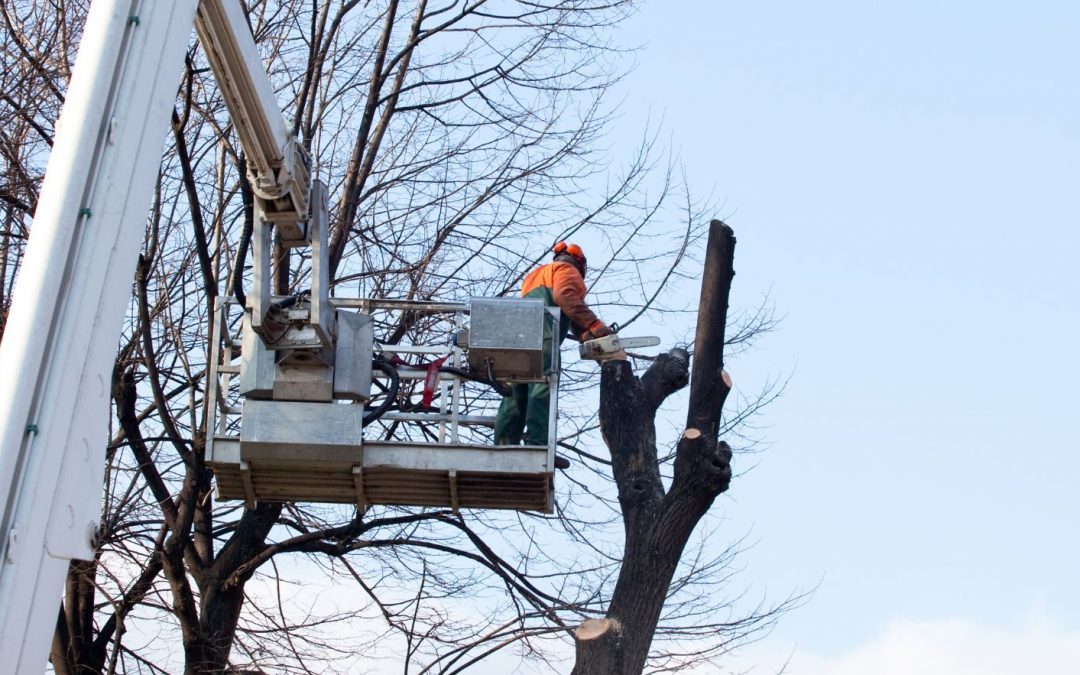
[{"x": 559, "y": 283}]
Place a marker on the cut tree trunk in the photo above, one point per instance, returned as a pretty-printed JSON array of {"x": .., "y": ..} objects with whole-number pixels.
[{"x": 658, "y": 522}]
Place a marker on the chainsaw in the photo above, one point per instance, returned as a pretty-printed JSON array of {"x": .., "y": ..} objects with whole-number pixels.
[{"x": 607, "y": 347}]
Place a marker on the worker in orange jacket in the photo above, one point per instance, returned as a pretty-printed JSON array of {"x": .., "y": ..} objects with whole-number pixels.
[{"x": 560, "y": 283}]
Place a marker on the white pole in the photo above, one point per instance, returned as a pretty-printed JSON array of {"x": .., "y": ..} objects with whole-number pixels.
[{"x": 61, "y": 336}]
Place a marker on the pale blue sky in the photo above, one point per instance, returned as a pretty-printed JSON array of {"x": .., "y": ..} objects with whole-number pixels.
[{"x": 903, "y": 180}]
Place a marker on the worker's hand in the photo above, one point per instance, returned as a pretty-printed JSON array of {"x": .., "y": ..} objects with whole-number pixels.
[{"x": 597, "y": 330}]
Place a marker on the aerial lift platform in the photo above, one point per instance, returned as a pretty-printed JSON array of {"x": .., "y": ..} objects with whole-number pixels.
[{"x": 386, "y": 449}]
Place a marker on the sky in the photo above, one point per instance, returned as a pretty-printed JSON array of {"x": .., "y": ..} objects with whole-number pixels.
[{"x": 903, "y": 181}]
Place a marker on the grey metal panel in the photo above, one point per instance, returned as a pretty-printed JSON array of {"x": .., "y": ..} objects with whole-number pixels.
[
  {"x": 305, "y": 375},
  {"x": 509, "y": 333},
  {"x": 262, "y": 249},
  {"x": 322, "y": 315},
  {"x": 298, "y": 336},
  {"x": 352, "y": 362},
  {"x": 224, "y": 450},
  {"x": 461, "y": 458},
  {"x": 256, "y": 364},
  {"x": 299, "y": 431}
]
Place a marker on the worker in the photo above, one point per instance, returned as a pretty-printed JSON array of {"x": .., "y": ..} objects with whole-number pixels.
[{"x": 560, "y": 283}]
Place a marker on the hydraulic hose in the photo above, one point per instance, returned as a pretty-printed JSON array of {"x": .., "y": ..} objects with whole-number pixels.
[
  {"x": 390, "y": 395},
  {"x": 245, "y": 236},
  {"x": 288, "y": 302}
]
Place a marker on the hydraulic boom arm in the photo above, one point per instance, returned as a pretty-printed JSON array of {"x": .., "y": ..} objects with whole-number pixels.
[
  {"x": 278, "y": 167},
  {"x": 61, "y": 334}
]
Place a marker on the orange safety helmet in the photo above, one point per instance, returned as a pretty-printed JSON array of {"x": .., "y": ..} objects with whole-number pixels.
[{"x": 572, "y": 250}]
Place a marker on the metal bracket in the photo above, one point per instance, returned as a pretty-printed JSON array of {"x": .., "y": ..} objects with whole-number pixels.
[
  {"x": 453, "y": 492},
  {"x": 358, "y": 483},
  {"x": 94, "y": 534},
  {"x": 12, "y": 543},
  {"x": 249, "y": 487}
]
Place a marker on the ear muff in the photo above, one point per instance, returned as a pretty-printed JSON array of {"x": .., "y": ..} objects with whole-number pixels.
[{"x": 571, "y": 250}]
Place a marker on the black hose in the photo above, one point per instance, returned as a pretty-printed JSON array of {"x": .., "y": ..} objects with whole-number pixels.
[
  {"x": 388, "y": 369},
  {"x": 288, "y": 302},
  {"x": 248, "y": 198}
]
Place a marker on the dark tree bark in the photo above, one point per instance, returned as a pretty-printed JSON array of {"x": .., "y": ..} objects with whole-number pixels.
[{"x": 659, "y": 522}]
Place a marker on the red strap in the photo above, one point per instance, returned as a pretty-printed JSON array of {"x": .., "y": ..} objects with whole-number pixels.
[{"x": 431, "y": 380}]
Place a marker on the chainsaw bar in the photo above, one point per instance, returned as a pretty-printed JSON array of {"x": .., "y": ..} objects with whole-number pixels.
[{"x": 610, "y": 345}]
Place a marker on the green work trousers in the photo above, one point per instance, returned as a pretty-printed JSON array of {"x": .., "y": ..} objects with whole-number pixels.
[{"x": 524, "y": 413}]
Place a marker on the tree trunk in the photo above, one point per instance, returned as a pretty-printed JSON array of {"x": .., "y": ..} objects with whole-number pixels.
[
  {"x": 221, "y": 587},
  {"x": 659, "y": 523}
]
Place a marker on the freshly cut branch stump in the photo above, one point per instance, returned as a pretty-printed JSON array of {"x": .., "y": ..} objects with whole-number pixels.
[
  {"x": 598, "y": 648},
  {"x": 595, "y": 629}
]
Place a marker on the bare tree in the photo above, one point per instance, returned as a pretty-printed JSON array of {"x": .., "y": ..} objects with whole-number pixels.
[
  {"x": 659, "y": 519},
  {"x": 460, "y": 140}
]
